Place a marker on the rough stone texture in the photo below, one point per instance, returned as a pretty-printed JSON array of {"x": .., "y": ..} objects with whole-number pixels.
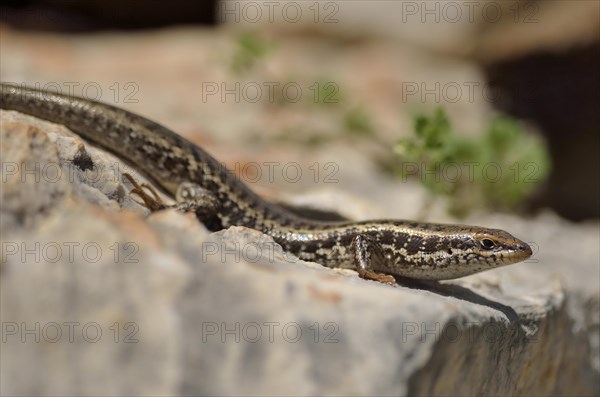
[
  {"x": 229, "y": 313},
  {"x": 528, "y": 329}
]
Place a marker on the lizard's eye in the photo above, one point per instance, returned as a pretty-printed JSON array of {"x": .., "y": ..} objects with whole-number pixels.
[{"x": 487, "y": 243}]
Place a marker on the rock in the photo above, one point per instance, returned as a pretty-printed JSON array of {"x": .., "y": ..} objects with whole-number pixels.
[
  {"x": 84, "y": 303},
  {"x": 98, "y": 299},
  {"x": 31, "y": 182}
]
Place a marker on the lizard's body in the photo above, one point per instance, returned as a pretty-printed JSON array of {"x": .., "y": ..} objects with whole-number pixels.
[{"x": 403, "y": 248}]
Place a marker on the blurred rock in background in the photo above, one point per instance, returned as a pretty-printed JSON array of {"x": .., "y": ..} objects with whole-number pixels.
[{"x": 542, "y": 56}]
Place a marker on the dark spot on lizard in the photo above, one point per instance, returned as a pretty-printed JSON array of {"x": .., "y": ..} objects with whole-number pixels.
[
  {"x": 431, "y": 244},
  {"x": 212, "y": 222},
  {"x": 386, "y": 237},
  {"x": 414, "y": 246}
]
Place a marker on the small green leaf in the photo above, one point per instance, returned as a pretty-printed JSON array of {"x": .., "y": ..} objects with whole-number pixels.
[{"x": 358, "y": 122}]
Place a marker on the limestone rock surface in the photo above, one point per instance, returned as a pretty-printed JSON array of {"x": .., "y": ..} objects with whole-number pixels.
[{"x": 97, "y": 298}]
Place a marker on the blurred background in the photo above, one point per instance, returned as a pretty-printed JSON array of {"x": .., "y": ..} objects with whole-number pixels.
[{"x": 317, "y": 74}]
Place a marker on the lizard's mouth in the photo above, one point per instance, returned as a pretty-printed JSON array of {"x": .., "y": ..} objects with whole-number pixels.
[{"x": 521, "y": 252}]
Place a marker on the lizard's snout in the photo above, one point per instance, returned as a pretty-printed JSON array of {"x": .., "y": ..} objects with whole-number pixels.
[{"x": 523, "y": 251}]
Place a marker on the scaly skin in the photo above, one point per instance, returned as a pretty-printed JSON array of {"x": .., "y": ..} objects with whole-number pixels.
[{"x": 402, "y": 248}]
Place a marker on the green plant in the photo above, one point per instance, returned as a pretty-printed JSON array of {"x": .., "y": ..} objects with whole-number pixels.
[
  {"x": 249, "y": 48},
  {"x": 498, "y": 170},
  {"x": 358, "y": 122}
]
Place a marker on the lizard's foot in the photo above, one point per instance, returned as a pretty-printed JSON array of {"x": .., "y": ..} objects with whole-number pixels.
[
  {"x": 368, "y": 257},
  {"x": 153, "y": 203},
  {"x": 380, "y": 277},
  {"x": 190, "y": 198}
]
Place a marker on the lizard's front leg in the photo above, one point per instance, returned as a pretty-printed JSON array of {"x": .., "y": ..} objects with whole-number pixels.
[
  {"x": 367, "y": 256},
  {"x": 190, "y": 197}
]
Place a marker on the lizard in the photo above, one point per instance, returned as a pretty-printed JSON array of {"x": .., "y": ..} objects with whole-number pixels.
[{"x": 376, "y": 249}]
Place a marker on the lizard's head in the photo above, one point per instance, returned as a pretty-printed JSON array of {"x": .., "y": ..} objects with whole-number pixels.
[
  {"x": 479, "y": 249},
  {"x": 442, "y": 252},
  {"x": 500, "y": 246}
]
